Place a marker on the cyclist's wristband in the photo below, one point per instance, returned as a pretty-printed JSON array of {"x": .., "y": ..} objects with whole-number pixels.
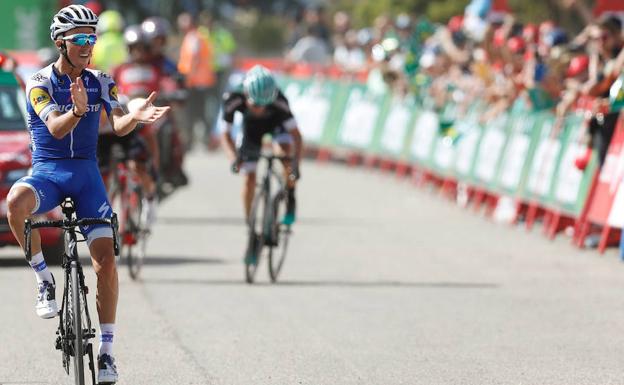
[{"x": 75, "y": 114}]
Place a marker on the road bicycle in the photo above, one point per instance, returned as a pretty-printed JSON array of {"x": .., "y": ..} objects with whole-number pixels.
[
  {"x": 126, "y": 194},
  {"x": 265, "y": 231},
  {"x": 75, "y": 329}
]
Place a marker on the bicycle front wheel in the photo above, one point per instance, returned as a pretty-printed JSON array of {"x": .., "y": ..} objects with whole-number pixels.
[
  {"x": 279, "y": 236},
  {"x": 77, "y": 334}
]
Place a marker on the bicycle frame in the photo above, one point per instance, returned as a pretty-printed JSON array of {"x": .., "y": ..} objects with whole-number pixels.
[{"x": 266, "y": 185}]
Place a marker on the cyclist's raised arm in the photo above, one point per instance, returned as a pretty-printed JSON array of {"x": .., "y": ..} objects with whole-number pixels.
[{"x": 59, "y": 123}]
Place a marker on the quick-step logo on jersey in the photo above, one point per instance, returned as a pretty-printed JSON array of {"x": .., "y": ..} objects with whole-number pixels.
[{"x": 90, "y": 107}]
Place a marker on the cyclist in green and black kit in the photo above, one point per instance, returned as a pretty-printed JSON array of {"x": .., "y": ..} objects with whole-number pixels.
[{"x": 265, "y": 111}]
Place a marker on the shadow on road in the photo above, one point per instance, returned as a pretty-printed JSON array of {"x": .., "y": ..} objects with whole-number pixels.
[
  {"x": 201, "y": 221},
  {"x": 166, "y": 260},
  {"x": 149, "y": 261},
  {"x": 240, "y": 222},
  {"x": 330, "y": 283}
]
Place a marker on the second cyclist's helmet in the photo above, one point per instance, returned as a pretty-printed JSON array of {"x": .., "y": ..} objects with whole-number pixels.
[
  {"x": 155, "y": 26},
  {"x": 70, "y": 17},
  {"x": 260, "y": 86},
  {"x": 133, "y": 34}
]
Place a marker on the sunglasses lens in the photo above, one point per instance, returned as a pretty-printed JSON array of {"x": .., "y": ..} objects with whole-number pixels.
[{"x": 84, "y": 39}]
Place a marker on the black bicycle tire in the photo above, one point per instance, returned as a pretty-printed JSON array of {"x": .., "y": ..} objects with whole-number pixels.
[
  {"x": 251, "y": 269},
  {"x": 78, "y": 331},
  {"x": 279, "y": 245},
  {"x": 135, "y": 263}
]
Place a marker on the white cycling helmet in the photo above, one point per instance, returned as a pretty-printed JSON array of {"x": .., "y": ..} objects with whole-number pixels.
[{"x": 70, "y": 17}]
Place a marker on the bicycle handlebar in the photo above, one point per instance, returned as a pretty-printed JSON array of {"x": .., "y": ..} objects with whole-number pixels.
[
  {"x": 265, "y": 156},
  {"x": 68, "y": 224}
]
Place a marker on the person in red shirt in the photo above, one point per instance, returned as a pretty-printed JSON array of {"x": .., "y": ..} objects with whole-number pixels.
[{"x": 136, "y": 78}]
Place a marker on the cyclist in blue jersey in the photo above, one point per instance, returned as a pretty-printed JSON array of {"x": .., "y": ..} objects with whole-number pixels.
[{"x": 63, "y": 107}]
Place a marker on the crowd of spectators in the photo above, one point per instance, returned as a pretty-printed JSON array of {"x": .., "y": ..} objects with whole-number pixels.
[{"x": 479, "y": 56}]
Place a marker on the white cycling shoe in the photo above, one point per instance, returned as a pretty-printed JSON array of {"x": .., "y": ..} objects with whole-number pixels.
[
  {"x": 107, "y": 371},
  {"x": 46, "y": 306}
]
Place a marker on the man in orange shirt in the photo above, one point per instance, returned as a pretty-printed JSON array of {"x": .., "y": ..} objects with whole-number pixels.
[{"x": 196, "y": 64}]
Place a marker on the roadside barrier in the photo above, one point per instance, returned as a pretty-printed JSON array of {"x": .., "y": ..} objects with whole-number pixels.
[{"x": 522, "y": 156}]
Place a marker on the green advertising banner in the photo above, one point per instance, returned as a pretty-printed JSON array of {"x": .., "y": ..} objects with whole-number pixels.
[
  {"x": 518, "y": 153},
  {"x": 524, "y": 129},
  {"x": 397, "y": 127},
  {"x": 571, "y": 185},
  {"x": 515, "y": 158},
  {"x": 362, "y": 116},
  {"x": 26, "y": 23},
  {"x": 468, "y": 143},
  {"x": 310, "y": 102},
  {"x": 426, "y": 127},
  {"x": 491, "y": 150},
  {"x": 545, "y": 161}
]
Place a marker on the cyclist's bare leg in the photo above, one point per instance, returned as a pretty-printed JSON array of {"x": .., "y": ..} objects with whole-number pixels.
[
  {"x": 105, "y": 268},
  {"x": 249, "y": 189},
  {"x": 20, "y": 203},
  {"x": 284, "y": 149},
  {"x": 148, "y": 183}
]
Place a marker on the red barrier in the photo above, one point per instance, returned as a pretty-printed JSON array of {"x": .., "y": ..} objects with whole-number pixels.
[{"x": 603, "y": 192}]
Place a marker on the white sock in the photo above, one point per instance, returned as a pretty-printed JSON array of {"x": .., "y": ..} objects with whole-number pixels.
[
  {"x": 107, "y": 332},
  {"x": 41, "y": 268}
]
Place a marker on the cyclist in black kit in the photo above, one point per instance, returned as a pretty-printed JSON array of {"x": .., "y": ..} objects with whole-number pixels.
[{"x": 265, "y": 110}]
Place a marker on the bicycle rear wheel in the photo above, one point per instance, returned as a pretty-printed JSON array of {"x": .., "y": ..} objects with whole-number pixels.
[
  {"x": 136, "y": 238},
  {"x": 279, "y": 236},
  {"x": 75, "y": 321},
  {"x": 255, "y": 241}
]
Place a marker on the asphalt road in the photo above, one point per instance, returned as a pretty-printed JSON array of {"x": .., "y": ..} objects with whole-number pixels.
[{"x": 384, "y": 284}]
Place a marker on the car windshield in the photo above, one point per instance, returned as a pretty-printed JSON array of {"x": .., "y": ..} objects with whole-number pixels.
[{"x": 11, "y": 110}]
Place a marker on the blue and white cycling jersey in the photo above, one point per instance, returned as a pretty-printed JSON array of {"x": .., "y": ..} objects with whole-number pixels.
[
  {"x": 67, "y": 167},
  {"x": 48, "y": 91}
]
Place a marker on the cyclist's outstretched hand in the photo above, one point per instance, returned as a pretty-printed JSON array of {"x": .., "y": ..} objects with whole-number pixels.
[
  {"x": 149, "y": 113},
  {"x": 78, "y": 96}
]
